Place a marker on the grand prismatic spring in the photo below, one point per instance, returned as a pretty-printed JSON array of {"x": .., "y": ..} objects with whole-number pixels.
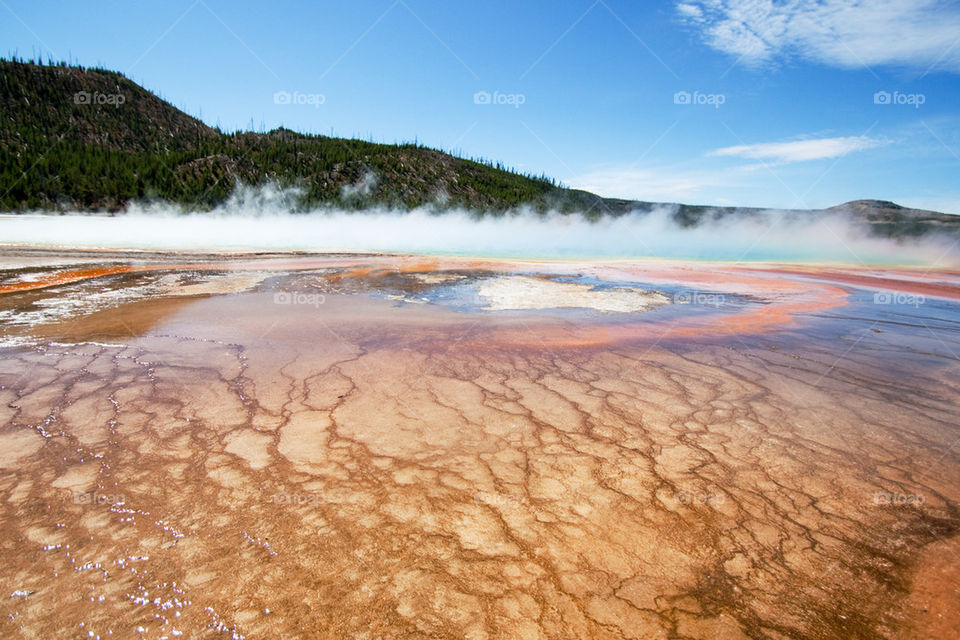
[{"x": 378, "y": 446}]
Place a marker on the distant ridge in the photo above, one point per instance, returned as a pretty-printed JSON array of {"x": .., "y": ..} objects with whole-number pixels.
[{"x": 93, "y": 140}]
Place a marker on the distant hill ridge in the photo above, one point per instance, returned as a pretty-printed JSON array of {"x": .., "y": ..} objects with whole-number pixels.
[{"x": 91, "y": 139}]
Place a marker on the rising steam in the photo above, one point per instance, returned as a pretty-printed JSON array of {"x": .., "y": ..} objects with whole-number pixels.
[{"x": 261, "y": 219}]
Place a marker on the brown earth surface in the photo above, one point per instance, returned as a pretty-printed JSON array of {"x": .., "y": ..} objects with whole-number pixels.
[{"x": 361, "y": 459}]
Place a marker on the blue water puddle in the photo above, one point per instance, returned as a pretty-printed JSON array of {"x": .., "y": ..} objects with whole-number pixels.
[
  {"x": 464, "y": 296},
  {"x": 905, "y": 312},
  {"x": 906, "y": 332}
]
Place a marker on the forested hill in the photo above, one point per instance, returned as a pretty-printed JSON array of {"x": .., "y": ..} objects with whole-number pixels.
[
  {"x": 75, "y": 138},
  {"x": 90, "y": 139}
]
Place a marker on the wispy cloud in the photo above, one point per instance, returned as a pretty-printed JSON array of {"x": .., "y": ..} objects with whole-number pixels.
[
  {"x": 710, "y": 178},
  {"x": 657, "y": 185},
  {"x": 799, "y": 150},
  {"x": 924, "y": 34}
]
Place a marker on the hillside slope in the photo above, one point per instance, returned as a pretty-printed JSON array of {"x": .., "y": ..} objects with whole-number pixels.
[
  {"x": 91, "y": 139},
  {"x": 74, "y": 138}
]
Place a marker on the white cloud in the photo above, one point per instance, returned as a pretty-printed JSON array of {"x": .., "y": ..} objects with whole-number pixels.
[
  {"x": 846, "y": 33},
  {"x": 691, "y": 11},
  {"x": 799, "y": 150},
  {"x": 646, "y": 184},
  {"x": 710, "y": 182}
]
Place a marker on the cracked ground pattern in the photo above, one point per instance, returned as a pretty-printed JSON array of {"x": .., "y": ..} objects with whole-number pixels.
[{"x": 362, "y": 466}]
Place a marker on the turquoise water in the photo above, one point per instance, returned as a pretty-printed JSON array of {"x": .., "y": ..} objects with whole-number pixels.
[{"x": 454, "y": 234}]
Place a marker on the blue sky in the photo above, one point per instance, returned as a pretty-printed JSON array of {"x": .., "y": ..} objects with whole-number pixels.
[{"x": 748, "y": 102}]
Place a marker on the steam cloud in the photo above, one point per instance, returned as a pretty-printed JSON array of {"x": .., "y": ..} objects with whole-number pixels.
[
  {"x": 362, "y": 188},
  {"x": 261, "y": 219}
]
